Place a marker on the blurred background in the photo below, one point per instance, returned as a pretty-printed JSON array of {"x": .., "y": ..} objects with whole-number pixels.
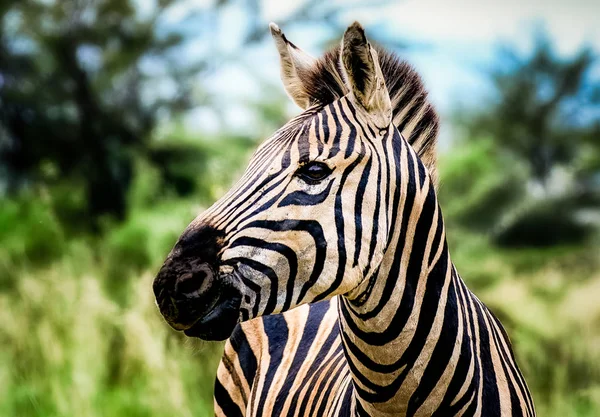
[{"x": 120, "y": 120}]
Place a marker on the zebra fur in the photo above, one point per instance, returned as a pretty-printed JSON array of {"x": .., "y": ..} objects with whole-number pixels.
[{"x": 336, "y": 225}]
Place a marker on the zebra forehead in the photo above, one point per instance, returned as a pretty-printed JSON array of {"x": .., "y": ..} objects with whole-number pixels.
[{"x": 316, "y": 130}]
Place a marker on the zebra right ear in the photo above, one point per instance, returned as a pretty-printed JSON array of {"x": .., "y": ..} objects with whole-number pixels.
[
  {"x": 294, "y": 64},
  {"x": 364, "y": 76}
]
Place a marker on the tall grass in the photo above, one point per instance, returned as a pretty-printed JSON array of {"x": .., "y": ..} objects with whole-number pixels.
[
  {"x": 548, "y": 301},
  {"x": 553, "y": 323},
  {"x": 69, "y": 349},
  {"x": 80, "y": 334}
]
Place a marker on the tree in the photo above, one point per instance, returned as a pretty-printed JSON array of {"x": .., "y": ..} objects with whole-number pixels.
[
  {"x": 71, "y": 103},
  {"x": 546, "y": 110},
  {"x": 544, "y": 116}
]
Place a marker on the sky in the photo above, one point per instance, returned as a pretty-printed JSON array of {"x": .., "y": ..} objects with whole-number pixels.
[
  {"x": 572, "y": 22},
  {"x": 457, "y": 41}
]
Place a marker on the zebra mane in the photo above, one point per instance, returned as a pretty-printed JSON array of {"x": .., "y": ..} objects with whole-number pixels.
[{"x": 412, "y": 113}]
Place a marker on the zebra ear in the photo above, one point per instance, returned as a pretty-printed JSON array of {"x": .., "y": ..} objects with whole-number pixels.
[
  {"x": 363, "y": 75},
  {"x": 294, "y": 64}
]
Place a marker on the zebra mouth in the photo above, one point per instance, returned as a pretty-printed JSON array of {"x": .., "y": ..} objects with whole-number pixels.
[{"x": 219, "y": 322}]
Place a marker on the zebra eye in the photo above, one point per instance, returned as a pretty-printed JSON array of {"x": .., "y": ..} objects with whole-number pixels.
[{"x": 313, "y": 172}]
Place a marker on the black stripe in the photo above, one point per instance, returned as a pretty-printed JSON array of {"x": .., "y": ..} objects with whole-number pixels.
[
  {"x": 375, "y": 228},
  {"x": 491, "y": 396},
  {"x": 302, "y": 198},
  {"x": 247, "y": 358},
  {"x": 316, "y": 313},
  {"x": 339, "y": 225},
  {"x": 335, "y": 144},
  {"x": 225, "y": 402},
  {"x": 358, "y": 202},
  {"x": 278, "y": 335}
]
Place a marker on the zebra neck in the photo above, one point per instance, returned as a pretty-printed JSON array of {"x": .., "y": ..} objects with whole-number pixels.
[
  {"x": 401, "y": 349},
  {"x": 400, "y": 327}
]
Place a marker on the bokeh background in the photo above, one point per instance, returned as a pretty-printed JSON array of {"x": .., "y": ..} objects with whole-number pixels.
[{"x": 120, "y": 120}]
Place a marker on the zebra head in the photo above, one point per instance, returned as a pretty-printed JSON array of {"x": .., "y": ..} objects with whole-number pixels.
[{"x": 309, "y": 219}]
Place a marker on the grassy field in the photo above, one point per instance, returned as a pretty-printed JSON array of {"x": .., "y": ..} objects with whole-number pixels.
[{"x": 81, "y": 336}]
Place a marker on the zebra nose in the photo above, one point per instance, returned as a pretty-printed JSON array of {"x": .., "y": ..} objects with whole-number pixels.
[
  {"x": 185, "y": 292},
  {"x": 186, "y": 286}
]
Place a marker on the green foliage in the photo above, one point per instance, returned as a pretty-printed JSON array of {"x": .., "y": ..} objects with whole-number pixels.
[
  {"x": 546, "y": 223},
  {"x": 80, "y": 332},
  {"x": 541, "y": 129},
  {"x": 140, "y": 243},
  {"x": 29, "y": 234},
  {"x": 534, "y": 114},
  {"x": 75, "y": 99},
  {"x": 199, "y": 167},
  {"x": 479, "y": 185}
]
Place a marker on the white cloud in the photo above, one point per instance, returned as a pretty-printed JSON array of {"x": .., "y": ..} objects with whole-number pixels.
[
  {"x": 571, "y": 23},
  {"x": 278, "y": 9}
]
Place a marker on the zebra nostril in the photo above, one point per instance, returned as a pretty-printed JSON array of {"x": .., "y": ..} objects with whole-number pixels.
[
  {"x": 186, "y": 283},
  {"x": 194, "y": 283}
]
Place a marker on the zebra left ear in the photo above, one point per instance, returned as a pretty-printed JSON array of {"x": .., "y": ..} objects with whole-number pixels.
[
  {"x": 294, "y": 65},
  {"x": 364, "y": 77}
]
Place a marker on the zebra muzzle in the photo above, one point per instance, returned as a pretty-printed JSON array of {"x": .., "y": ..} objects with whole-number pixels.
[{"x": 194, "y": 296}]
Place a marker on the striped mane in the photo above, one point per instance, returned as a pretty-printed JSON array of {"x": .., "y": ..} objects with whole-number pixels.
[{"x": 412, "y": 113}]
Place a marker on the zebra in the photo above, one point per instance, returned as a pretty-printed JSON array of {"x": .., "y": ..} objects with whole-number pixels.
[{"x": 326, "y": 265}]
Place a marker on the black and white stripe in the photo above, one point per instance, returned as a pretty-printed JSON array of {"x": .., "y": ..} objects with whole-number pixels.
[
  {"x": 411, "y": 339},
  {"x": 375, "y": 319}
]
